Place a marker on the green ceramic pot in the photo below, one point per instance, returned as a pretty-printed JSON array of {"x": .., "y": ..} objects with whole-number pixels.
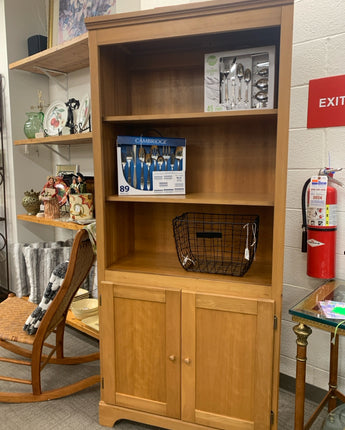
[{"x": 34, "y": 124}]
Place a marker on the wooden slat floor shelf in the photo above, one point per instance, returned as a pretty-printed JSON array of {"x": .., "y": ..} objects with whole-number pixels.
[{"x": 74, "y": 322}]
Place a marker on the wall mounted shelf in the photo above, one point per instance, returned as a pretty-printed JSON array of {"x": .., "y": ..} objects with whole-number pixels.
[
  {"x": 51, "y": 222},
  {"x": 65, "y": 58},
  {"x": 70, "y": 139}
]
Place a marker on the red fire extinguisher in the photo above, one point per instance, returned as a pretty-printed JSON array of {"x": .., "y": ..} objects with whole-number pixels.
[{"x": 320, "y": 223}]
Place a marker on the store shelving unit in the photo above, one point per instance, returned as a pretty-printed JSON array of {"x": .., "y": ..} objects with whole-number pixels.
[
  {"x": 65, "y": 58},
  {"x": 184, "y": 349}
]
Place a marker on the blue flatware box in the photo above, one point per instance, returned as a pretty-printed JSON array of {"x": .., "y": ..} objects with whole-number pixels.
[{"x": 151, "y": 165}]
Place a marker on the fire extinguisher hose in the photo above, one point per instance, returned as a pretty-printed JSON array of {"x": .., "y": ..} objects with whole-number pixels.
[{"x": 304, "y": 217}]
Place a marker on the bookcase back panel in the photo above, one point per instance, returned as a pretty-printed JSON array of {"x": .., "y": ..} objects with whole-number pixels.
[{"x": 167, "y": 75}]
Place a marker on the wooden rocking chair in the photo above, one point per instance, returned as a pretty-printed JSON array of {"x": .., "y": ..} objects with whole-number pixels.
[{"x": 13, "y": 314}]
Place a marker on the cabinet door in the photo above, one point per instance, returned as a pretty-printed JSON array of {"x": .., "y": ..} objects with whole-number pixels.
[
  {"x": 227, "y": 356},
  {"x": 147, "y": 349}
]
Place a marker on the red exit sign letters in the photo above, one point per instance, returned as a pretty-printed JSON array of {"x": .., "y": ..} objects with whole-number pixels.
[{"x": 326, "y": 102}]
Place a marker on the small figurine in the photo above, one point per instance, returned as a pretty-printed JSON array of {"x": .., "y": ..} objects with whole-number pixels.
[
  {"x": 72, "y": 104},
  {"x": 49, "y": 197},
  {"x": 73, "y": 188},
  {"x": 62, "y": 189},
  {"x": 81, "y": 184}
]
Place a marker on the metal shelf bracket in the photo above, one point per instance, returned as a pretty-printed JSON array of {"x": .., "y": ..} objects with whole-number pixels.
[
  {"x": 67, "y": 158},
  {"x": 52, "y": 75}
]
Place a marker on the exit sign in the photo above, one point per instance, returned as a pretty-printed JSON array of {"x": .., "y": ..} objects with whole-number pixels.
[{"x": 326, "y": 102}]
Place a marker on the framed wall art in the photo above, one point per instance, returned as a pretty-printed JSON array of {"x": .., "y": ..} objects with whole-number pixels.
[
  {"x": 67, "y": 169},
  {"x": 66, "y": 17}
]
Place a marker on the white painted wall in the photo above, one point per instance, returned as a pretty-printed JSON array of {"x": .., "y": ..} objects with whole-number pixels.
[
  {"x": 7, "y": 132},
  {"x": 23, "y": 87}
]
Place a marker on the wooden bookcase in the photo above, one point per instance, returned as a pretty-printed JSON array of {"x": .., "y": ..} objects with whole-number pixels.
[{"x": 185, "y": 350}]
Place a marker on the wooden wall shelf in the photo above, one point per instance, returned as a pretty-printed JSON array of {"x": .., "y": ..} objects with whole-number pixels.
[
  {"x": 65, "y": 58},
  {"x": 51, "y": 222},
  {"x": 69, "y": 139}
]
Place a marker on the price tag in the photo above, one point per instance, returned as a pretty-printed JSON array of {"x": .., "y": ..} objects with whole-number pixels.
[{"x": 318, "y": 191}]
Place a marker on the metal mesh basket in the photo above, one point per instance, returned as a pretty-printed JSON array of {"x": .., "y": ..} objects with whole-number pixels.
[{"x": 216, "y": 243}]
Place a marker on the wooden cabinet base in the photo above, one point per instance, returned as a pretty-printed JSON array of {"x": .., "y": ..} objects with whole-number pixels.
[{"x": 109, "y": 415}]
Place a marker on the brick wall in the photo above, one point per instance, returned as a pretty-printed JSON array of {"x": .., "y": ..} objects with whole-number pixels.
[{"x": 318, "y": 51}]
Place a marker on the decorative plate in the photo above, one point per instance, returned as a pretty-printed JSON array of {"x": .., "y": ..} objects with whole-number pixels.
[
  {"x": 55, "y": 118},
  {"x": 83, "y": 113}
]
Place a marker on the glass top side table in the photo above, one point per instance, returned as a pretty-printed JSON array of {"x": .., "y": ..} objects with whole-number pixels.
[{"x": 308, "y": 313}]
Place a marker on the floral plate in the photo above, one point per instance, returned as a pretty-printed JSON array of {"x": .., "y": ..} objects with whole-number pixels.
[
  {"x": 55, "y": 118},
  {"x": 83, "y": 113}
]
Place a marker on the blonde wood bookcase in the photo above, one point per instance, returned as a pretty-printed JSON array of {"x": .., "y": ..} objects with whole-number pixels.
[
  {"x": 65, "y": 58},
  {"x": 185, "y": 350}
]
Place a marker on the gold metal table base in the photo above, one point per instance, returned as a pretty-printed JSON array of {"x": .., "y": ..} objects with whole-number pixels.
[{"x": 302, "y": 332}]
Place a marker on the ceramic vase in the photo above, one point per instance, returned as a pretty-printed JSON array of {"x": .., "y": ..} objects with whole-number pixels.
[
  {"x": 34, "y": 124},
  {"x": 31, "y": 202}
]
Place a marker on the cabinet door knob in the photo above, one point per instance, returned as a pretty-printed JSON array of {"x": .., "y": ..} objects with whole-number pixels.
[
  {"x": 187, "y": 360},
  {"x": 172, "y": 357}
]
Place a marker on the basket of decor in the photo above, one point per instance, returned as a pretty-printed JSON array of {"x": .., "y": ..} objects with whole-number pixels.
[{"x": 216, "y": 243}]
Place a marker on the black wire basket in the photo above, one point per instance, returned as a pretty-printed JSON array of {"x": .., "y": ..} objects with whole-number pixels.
[{"x": 216, "y": 243}]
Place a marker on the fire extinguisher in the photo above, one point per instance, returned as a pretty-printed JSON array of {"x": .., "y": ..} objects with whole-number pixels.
[{"x": 320, "y": 223}]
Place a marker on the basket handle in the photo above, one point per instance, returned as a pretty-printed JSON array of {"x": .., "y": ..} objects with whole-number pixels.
[
  {"x": 246, "y": 251},
  {"x": 208, "y": 235}
]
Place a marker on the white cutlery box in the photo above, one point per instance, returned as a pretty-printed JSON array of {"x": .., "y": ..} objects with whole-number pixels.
[{"x": 242, "y": 79}]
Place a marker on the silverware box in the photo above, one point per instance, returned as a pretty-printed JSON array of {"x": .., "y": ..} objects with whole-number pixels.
[{"x": 242, "y": 79}]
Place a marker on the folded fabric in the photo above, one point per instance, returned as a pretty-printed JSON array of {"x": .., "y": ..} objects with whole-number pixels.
[
  {"x": 32, "y": 323},
  {"x": 91, "y": 229}
]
